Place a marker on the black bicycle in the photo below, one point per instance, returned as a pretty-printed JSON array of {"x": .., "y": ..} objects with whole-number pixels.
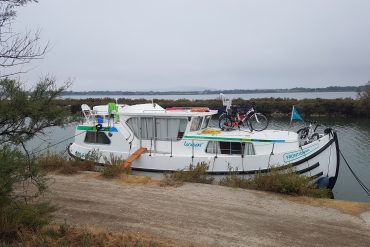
[{"x": 308, "y": 134}]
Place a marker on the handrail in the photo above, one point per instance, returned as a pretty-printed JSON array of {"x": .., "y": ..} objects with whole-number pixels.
[
  {"x": 153, "y": 110},
  {"x": 127, "y": 129}
]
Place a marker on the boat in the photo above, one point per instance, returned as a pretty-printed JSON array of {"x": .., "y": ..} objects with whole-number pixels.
[{"x": 156, "y": 139}]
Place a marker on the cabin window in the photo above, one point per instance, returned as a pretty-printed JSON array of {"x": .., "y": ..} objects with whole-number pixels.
[
  {"x": 142, "y": 127},
  {"x": 97, "y": 137},
  {"x": 170, "y": 128},
  {"x": 158, "y": 128},
  {"x": 196, "y": 123},
  {"x": 230, "y": 148},
  {"x": 205, "y": 122}
]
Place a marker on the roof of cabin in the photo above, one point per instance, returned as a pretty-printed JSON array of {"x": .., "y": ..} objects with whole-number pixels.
[{"x": 152, "y": 110}]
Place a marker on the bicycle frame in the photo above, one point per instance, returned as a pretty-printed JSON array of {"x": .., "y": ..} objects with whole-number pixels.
[{"x": 241, "y": 118}]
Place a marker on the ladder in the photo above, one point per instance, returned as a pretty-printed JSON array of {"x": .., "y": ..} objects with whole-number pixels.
[{"x": 128, "y": 162}]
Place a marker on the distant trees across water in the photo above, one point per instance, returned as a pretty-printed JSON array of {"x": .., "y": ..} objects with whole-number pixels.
[
  {"x": 307, "y": 107},
  {"x": 232, "y": 91}
]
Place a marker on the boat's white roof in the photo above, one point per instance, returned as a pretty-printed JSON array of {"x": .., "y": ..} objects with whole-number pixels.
[{"x": 151, "y": 110}]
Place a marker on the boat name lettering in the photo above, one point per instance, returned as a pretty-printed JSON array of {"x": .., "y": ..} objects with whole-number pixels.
[
  {"x": 191, "y": 144},
  {"x": 291, "y": 156}
]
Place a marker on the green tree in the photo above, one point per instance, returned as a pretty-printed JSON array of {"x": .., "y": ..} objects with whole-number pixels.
[{"x": 23, "y": 115}]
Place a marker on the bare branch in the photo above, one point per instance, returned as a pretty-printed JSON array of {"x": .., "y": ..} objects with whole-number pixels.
[{"x": 16, "y": 49}]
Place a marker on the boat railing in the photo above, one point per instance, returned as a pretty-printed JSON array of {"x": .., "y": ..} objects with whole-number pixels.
[
  {"x": 160, "y": 110},
  {"x": 243, "y": 149}
]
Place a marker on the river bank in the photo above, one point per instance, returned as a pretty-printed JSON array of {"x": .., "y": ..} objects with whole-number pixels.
[
  {"x": 279, "y": 106},
  {"x": 209, "y": 214}
]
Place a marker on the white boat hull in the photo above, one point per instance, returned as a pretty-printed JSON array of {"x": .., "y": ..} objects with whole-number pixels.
[{"x": 317, "y": 159}]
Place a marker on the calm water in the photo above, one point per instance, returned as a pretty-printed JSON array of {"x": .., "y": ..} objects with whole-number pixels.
[
  {"x": 326, "y": 95},
  {"x": 354, "y": 141}
]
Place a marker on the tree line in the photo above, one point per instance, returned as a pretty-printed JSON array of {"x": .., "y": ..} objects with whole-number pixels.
[
  {"x": 346, "y": 107},
  {"x": 231, "y": 91}
]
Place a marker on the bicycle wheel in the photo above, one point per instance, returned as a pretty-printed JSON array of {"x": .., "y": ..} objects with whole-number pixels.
[
  {"x": 258, "y": 121},
  {"x": 315, "y": 137},
  {"x": 225, "y": 122}
]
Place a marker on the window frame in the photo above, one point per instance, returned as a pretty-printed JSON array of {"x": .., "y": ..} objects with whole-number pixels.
[
  {"x": 205, "y": 119},
  {"x": 106, "y": 137},
  {"x": 155, "y": 130},
  {"x": 218, "y": 149},
  {"x": 199, "y": 124}
]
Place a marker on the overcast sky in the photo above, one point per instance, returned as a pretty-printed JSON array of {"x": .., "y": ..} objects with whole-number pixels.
[{"x": 196, "y": 44}]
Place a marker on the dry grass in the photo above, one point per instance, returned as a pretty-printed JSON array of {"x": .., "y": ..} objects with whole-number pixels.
[
  {"x": 114, "y": 168},
  {"x": 347, "y": 207},
  {"x": 112, "y": 171},
  {"x": 127, "y": 178},
  {"x": 283, "y": 181},
  {"x": 195, "y": 174},
  {"x": 135, "y": 179},
  {"x": 54, "y": 162},
  {"x": 65, "y": 235},
  {"x": 19, "y": 215}
]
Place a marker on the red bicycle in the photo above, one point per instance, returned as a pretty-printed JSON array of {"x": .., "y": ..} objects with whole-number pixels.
[
  {"x": 229, "y": 120},
  {"x": 254, "y": 120}
]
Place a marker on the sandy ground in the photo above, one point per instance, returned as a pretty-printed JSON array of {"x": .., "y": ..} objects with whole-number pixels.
[{"x": 209, "y": 215}]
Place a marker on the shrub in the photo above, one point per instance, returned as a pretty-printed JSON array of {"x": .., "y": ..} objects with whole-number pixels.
[
  {"x": 233, "y": 179},
  {"x": 19, "y": 215},
  {"x": 54, "y": 162},
  {"x": 65, "y": 235},
  {"x": 284, "y": 181},
  {"x": 195, "y": 174},
  {"x": 112, "y": 171},
  {"x": 113, "y": 167}
]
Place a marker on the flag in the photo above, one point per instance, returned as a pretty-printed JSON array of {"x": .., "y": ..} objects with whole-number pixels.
[{"x": 295, "y": 115}]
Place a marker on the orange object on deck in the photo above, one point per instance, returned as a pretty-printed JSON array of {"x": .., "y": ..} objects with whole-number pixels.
[
  {"x": 128, "y": 162},
  {"x": 175, "y": 108},
  {"x": 200, "y": 109}
]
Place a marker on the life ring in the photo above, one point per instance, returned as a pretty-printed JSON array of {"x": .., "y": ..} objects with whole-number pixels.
[{"x": 200, "y": 109}]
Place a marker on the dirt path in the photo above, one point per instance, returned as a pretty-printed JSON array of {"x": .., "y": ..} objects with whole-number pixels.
[{"x": 207, "y": 214}]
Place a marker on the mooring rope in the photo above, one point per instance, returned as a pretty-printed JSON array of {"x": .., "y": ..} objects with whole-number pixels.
[
  {"x": 363, "y": 186},
  {"x": 49, "y": 146}
]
